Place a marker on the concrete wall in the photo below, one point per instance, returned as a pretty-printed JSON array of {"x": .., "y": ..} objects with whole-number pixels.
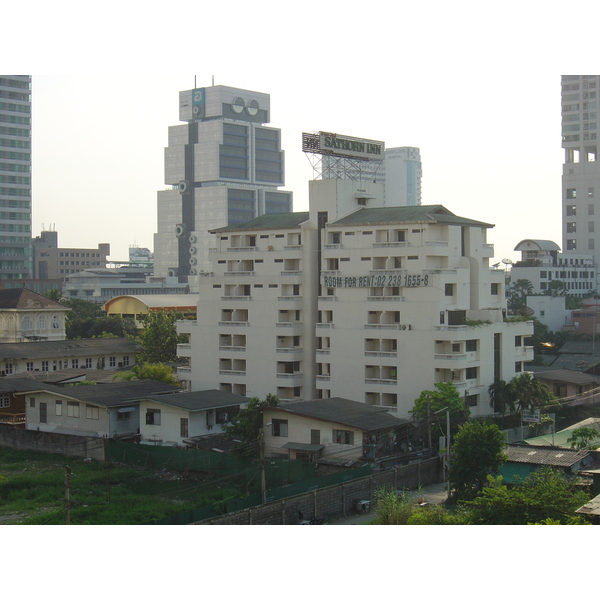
[
  {"x": 336, "y": 500},
  {"x": 43, "y": 441}
]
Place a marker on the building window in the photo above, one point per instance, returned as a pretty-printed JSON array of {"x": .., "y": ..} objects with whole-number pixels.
[
  {"x": 31, "y": 402},
  {"x": 449, "y": 289},
  {"x": 280, "y": 428},
  {"x": 571, "y": 193},
  {"x": 315, "y": 436},
  {"x": 471, "y": 345},
  {"x": 88, "y": 363},
  {"x": 4, "y": 400},
  {"x": 153, "y": 416},
  {"x": 571, "y": 210},
  {"x": 495, "y": 289},
  {"x": 123, "y": 416},
  {"x": 92, "y": 412},
  {"x": 29, "y": 366},
  {"x": 342, "y": 436},
  {"x": 45, "y": 366},
  {"x": 58, "y": 408},
  {"x": 571, "y": 227},
  {"x": 183, "y": 427},
  {"x": 73, "y": 409},
  {"x": 571, "y": 244},
  {"x": 112, "y": 361},
  {"x": 9, "y": 368},
  {"x": 126, "y": 361},
  {"x": 74, "y": 363}
]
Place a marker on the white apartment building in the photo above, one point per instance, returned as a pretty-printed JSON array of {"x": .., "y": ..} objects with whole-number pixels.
[
  {"x": 223, "y": 167},
  {"x": 581, "y": 169},
  {"x": 353, "y": 299},
  {"x": 542, "y": 262}
]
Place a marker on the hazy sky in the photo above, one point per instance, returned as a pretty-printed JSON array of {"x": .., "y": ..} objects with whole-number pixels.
[{"x": 475, "y": 86}]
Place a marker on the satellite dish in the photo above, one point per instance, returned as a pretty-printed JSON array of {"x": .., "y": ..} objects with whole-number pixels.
[
  {"x": 529, "y": 311},
  {"x": 507, "y": 261}
]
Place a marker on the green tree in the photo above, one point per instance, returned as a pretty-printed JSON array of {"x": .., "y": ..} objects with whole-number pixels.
[
  {"x": 55, "y": 295},
  {"x": 477, "y": 451},
  {"x": 444, "y": 396},
  {"x": 530, "y": 393},
  {"x": 158, "y": 339},
  {"x": 544, "y": 494},
  {"x": 154, "y": 372},
  {"x": 556, "y": 288},
  {"x": 582, "y": 437},
  {"x": 248, "y": 423},
  {"x": 522, "y": 287}
]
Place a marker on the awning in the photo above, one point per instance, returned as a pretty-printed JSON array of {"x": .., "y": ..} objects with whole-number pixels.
[{"x": 304, "y": 447}]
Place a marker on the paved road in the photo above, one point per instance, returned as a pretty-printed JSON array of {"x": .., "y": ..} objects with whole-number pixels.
[{"x": 433, "y": 494}]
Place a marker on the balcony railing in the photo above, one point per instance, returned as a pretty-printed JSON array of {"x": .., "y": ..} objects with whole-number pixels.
[{"x": 12, "y": 418}]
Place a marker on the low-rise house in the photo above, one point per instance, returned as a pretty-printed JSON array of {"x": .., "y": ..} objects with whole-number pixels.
[
  {"x": 524, "y": 459},
  {"x": 560, "y": 439},
  {"x": 334, "y": 428},
  {"x": 26, "y": 315},
  {"x": 567, "y": 383},
  {"x": 109, "y": 410},
  {"x": 111, "y": 354},
  {"x": 177, "y": 418},
  {"x": 12, "y": 402}
]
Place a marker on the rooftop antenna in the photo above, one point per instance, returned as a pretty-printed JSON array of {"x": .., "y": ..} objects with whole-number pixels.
[
  {"x": 213, "y": 80},
  {"x": 194, "y": 82}
]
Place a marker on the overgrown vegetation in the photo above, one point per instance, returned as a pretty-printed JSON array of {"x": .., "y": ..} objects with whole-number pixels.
[{"x": 32, "y": 491}]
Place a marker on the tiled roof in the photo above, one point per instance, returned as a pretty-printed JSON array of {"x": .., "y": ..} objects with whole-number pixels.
[
  {"x": 269, "y": 221},
  {"x": 558, "y": 457},
  {"x": 568, "y": 376},
  {"x": 65, "y": 348},
  {"x": 435, "y": 213},
  {"x": 24, "y": 299},
  {"x": 22, "y": 384},
  {"x": 344, "y": 412},
  {"x": 200, "y": 400}
]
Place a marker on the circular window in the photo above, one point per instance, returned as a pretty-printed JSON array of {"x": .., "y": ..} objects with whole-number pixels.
[
  {"x": 252, "y": 108},
  {"x": 238, "y": 105}
]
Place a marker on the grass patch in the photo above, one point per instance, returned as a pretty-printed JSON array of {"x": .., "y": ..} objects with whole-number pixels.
[{"x": 32, "y": 491}]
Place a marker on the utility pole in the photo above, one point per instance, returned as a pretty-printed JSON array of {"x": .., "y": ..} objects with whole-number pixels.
[
  {"x": 67, "y": 495},
  {"x": 263, "y": 483}
]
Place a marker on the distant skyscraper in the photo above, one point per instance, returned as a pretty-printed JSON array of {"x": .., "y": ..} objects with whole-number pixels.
[
  {"x": 581, "y": 169},
  {"x": 15, "y": 177},
  {"x": 399, "y": 170},
  {"x": 223, "y": 168}
]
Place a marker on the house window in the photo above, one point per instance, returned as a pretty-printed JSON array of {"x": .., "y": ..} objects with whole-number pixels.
[
  {"x": 112, "y": 361},
  {"x": 4, "y": 400},
  {"x": 126, "y": 361},
  {"x": 153, "y": 416},
  {"x": 224, "y": 415},
  {"x": 315, "y": 436},
  {"x": 280, "y": 428},
  {"x": 123, "y": 416},
  {"x": 58, "y": 408},
  {"x": 73, "y": 409},
  {"x": 74, "y": 363},
  {"x": 31, "y": 402},
  {"x": 495, "y": 289},
  {"x": 45, "y": 366},
  {"x": 29, "y": 366},
  {"x": 88, "y": 363},
  {"x": 183, "y": 428},
  {"x": 92, "y": 412},
  {"x": 342, "y": 436},
  {"x": 471, "y": 346}
]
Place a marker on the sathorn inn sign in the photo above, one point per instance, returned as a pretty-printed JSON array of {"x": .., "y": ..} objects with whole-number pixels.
[{"x": 342, "y": 145}]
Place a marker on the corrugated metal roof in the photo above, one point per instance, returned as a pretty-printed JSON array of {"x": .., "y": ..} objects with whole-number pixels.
[
  {"x": 558, "y": 457},
  {"x": 547, "y": 245},
  {"x": 568, "y": 376},
  {"x": 435, "y": 213},
  {"x": 269, "y": 221},
  {"x": 343, "y": 412}
]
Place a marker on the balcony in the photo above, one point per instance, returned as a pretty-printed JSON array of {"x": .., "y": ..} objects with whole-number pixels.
[
  {"x": 233, "y": 348},
  {"x": 12, "y": 418},
  {"x": 232, "y": 372}
]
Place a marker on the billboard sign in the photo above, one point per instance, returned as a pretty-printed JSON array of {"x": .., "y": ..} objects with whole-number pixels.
[{"x": 343, "y": 146}]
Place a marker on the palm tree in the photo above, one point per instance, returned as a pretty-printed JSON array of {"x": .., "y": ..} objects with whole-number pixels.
[
  {"x": 530, "y": 392},
  {"x": 501, "y": 397},
  {"x": 522, "y": 287}
]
